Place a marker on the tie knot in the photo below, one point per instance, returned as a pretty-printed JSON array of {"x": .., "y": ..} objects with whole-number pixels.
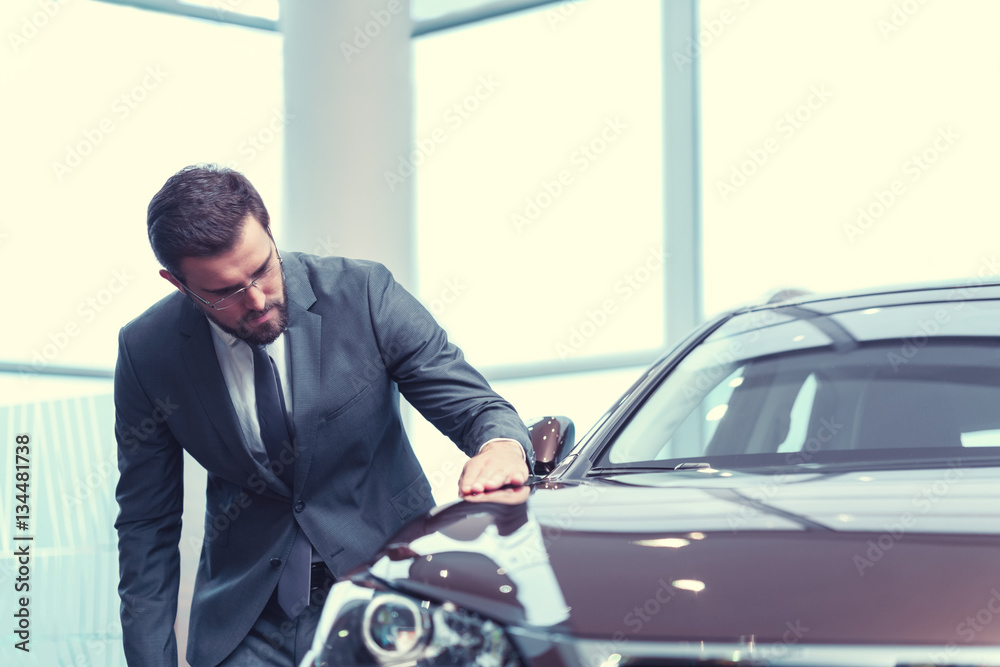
[{"x": 259, "y": 352}]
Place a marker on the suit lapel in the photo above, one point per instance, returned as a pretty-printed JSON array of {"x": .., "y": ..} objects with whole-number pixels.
[
  {"x": 305, "y": 338},
  {"x": 202, "y": 366}
]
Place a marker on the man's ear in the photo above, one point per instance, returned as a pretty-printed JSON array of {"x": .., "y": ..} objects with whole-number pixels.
[{"x": 169, "y": 277}]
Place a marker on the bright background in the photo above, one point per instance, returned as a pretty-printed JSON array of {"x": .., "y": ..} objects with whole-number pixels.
[{"x": 810, "y": 114}]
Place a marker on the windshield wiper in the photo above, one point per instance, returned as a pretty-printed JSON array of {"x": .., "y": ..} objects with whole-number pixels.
[
  {"x": 692, "y": 465},
  {"x": 625, "y": 469}
]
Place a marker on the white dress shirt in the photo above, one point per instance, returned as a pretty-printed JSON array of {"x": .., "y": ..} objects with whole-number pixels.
[{"x": 236, "y": 361}]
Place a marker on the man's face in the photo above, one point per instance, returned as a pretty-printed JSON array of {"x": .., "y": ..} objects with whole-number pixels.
[{"x": 262, "y": 314}]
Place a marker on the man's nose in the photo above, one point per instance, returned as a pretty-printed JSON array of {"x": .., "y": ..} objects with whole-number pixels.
[{"x": 255, "y": 297}]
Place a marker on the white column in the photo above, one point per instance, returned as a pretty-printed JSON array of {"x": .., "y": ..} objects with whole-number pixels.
[
  {"x": 682, "y": 171},
  {"x": 348, "y": 74}
]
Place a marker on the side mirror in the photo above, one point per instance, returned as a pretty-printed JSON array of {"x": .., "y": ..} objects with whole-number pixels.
[{"x": 552, "y": 439}]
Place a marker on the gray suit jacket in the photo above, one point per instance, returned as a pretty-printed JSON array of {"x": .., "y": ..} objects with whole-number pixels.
[{"x": 357, "y": 339}]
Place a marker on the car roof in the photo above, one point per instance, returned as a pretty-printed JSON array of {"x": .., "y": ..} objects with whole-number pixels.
[{"x": 968, "y": 289}]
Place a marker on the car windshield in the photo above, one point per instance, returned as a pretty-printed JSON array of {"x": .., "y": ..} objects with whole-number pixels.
[{"x": 912, "y": 384}]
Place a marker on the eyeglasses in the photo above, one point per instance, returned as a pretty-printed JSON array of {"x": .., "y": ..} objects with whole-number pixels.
[{"x": 236, "y": 297}]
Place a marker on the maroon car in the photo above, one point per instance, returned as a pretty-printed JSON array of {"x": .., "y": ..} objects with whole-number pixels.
[{"x": 814, "y": 481}]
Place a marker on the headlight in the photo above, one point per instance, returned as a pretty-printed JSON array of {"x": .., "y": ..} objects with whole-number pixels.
[
  {"x": 395, "y": 629},
  {"x": 365, "y": 627}
]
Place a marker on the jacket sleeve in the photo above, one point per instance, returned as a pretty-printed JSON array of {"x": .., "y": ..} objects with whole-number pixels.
[
  {"x": 150, "y": 498},
  {"x": 432, "y": 372}
]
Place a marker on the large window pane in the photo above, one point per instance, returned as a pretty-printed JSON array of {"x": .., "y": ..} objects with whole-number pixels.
[
  {"x": 539, "y": 211},
  {"x": 846, "y": 144},
  {"x": 103, "y": 103}
]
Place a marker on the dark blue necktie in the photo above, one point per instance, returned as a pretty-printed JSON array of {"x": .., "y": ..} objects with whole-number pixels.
[
  {"x": 271, "y": 415},
  {"x": 275, "y": 432}
]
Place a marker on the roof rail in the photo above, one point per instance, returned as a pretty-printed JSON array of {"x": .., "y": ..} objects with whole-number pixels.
[{"x": 787, "y": 293}]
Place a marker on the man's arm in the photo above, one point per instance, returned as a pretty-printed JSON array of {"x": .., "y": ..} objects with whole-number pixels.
[
  {"x": 150, "y": 497},
  {"x": 434, "y": 377}
]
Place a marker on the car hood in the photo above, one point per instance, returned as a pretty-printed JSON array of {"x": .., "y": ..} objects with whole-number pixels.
[{"x": 881, "y": 557}]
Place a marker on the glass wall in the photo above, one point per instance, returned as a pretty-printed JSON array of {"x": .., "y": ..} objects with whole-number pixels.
[
  {"x": 843, "y": 145},
  {"x": 102, "y": 103},
  {"x": 539, "y": 209},
  {"x": 539, "y": 201},
  {"x": 846, "y": 144}
]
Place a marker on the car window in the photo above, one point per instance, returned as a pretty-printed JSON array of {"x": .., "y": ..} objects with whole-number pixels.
[
  {"x": 697, "y": 428},
  {"x": 987, "y": 438},
  {"x": 798, "y": 419},
  {"x": 808, "y": 390}
]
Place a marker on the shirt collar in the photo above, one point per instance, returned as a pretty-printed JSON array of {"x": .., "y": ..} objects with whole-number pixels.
[
  {"x": 229, "y": 339},
  {"x": 276, "y": 347}
]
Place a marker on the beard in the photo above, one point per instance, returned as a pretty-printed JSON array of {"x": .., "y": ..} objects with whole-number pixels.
[{"x": 265, "y": 333}]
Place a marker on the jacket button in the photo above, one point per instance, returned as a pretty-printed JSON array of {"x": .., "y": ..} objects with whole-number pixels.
[
  {"x": 299, "y": 506},
  {"x": 275, "y": 563}
]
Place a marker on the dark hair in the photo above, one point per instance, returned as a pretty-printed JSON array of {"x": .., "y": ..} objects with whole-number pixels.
[{"x": 199, "y": 212}]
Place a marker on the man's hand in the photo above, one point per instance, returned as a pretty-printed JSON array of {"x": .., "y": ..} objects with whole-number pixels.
[
  {"x": 499, "y": 463},
  {"x": 508, "y": 496}
]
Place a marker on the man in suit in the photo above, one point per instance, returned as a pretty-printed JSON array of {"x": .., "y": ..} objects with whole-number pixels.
[{"x": 341, "y": 341}]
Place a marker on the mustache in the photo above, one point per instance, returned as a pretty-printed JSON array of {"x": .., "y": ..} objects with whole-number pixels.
[{"x": 268, "y": 307}]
